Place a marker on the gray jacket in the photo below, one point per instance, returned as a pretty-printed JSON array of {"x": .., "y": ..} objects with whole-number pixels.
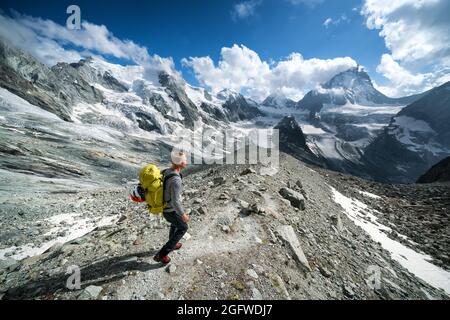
[{"x": 172, "y": 193}]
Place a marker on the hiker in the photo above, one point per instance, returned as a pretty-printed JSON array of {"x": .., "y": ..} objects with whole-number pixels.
[{"x": 174, "y": 212}]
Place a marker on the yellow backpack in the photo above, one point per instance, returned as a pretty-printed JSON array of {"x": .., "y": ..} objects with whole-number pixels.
[{"x": 152, "y": 180}]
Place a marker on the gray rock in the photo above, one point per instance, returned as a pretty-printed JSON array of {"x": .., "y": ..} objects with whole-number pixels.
[
  {"x": 252, "y": 273},
  {"x": 296, "y": 199},
  {"x": 224, "y": 196},
  {"x": 287, "y": 234},
  {"x": 90, "y": 293},
  {"x": 171, "y": 268},
  {"x": 280, "y": 286},
  {"x": 348, "y": 291},
  {"x": 242, "y": 204},
  {"x": 219, "y": 180},
  {"x": 9, "y": 264},
  {"x": 256, "y": 294},
  {"x": 247, "y": 171},
  {"x": 337, "y": 221},
  {"x": 325, "y": 272},
  {"x": 258, "y": 209},
  {"x": 202, "y": 210}
]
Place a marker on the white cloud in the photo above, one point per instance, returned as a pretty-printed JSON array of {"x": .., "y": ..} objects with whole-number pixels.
[
  {"x": 402, "y": 81},
  {"x": 48, "y": 42},
  {"x": 330, "y": 21},
  {"x": 245, "y": 9},
  {"x": 417, "y": 32},
  {"x": 327, "y": 22},
  {"x": 241, "y": 69}
]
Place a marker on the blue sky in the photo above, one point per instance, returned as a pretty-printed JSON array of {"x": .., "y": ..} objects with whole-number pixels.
[{"x": 274, "y": 29}]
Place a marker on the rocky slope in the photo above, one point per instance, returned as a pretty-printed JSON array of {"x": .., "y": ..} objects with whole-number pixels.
[
  {"x": 440, "y": 172},
  {"x": 307, "y": 247}
]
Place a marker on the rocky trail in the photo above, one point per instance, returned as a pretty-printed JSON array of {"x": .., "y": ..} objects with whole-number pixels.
[{"x": 251, "y": 236}]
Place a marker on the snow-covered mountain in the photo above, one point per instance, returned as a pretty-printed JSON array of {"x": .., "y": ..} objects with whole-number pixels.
[
  {"x": 99, "y": 104},
  {"x": 415, "y": 139},
  {"x": 277, "y": 100},
  {"x": 79, "y": 121},
  {"x": 351, "y": 87}
]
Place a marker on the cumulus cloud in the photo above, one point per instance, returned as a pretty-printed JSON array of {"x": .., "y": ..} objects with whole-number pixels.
[
  {"x": 413, "y": 30},
  {"x": 242, "y": 70},
  {"x": 49, "y": 42},
  {"x": 417, "y": 33},
  {"x": 402, "y": 81},
  {"x": 245, "y": 9}
]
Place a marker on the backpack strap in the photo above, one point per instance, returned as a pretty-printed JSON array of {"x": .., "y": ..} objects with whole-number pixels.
[{"x": 167, "y": 177}]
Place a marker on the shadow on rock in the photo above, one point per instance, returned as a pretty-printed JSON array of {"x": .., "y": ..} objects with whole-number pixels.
[{"x": 97, "y": 273}]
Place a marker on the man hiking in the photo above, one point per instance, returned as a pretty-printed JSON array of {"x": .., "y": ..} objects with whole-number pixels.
[{"x": 174, "y": 212}]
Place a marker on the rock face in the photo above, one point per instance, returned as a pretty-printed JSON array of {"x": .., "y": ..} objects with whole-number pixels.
[
  {"x": 440, "y": 172},
  {"x": 296, "y": 199},
  {"x": 416, "y": 138},
  {"x": 239, "y": 108},
  {"x": 288, "y": 235},
  {"x": 54, "y": 89},
  {"x": 293, "y": 141}
]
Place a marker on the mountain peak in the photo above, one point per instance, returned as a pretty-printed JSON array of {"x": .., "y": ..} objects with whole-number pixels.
[
  {"x": 278, "y": 100},
  {"x": 349, "y": 79}
]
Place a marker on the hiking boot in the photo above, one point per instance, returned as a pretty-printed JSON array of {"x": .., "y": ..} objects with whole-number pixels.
[
  {"x": 162, "y": 259},
  {"x": 178, "y": 246}
]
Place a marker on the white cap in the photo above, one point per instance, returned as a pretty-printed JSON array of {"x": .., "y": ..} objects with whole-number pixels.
[{"x": 178, "y": 157}]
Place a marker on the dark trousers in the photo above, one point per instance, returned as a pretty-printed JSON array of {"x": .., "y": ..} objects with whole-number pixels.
[{"x": 178, "y": 228}]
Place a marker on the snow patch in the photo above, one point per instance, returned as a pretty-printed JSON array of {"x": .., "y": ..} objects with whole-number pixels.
[
  {"x": 310, "y": 129},
  {"x": 74, "y": 226},
  {"x": 415, "y": 262},
  {"x": 368, "y": 194}
]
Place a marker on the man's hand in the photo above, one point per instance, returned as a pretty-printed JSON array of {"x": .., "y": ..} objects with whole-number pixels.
[{"x": 185, "y": 217}]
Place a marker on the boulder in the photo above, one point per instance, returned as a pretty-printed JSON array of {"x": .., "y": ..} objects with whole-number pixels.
[
  {"x": 171, "y": 268},
  {"x": 296, "y": 199},
  {"x": 252, "y": 273},
  {"x": 9, "y": 264},
  {"x": 287, "y": 234},
  {"x": 256, "y": 294},
  {"x": 90, "y": 293},
  {"x": 219, "y": 180},
  {"x": 247, "y": 171}
]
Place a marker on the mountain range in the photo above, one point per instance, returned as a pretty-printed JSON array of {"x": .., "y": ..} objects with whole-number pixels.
[{"x": 347, "y": 124}]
